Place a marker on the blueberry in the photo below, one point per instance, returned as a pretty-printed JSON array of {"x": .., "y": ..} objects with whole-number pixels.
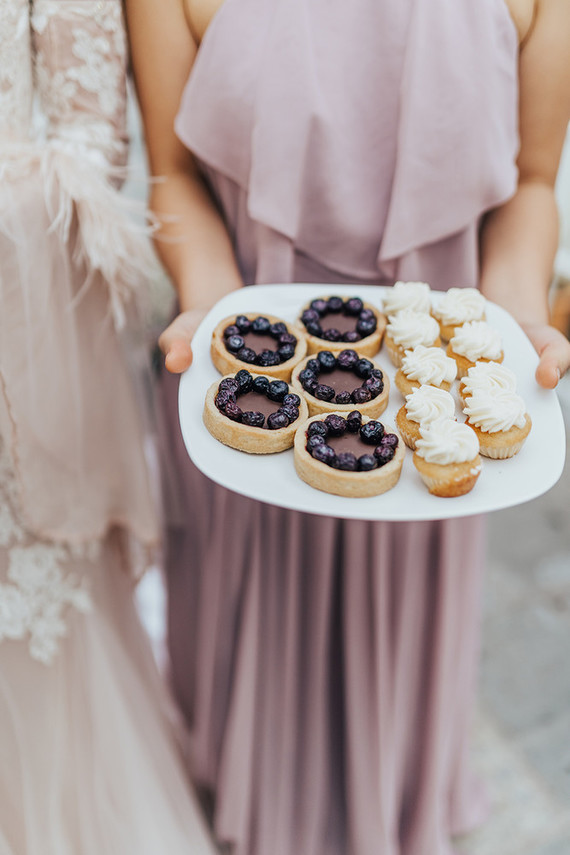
[
  {"x": 390, "y": 439},
  {"x": 366, "y": 327},
  {"x": 290, "y": 411},
  {"x": 324, "y": 392},
  {"x": 229, "y": 383},
  {"x": 223, "y": 397},
  {"x": 327, "y": 360},
  {"x": 260, "y": 385},
  {"x": 319, "y": 306},
  {"x": 367, "y": 462},
  {"x": 351, "y": 336},
  {"x": 372, "y": 432},
  {"x": 277, "y": 420},
  {"x": 353, "y": 306},
  {"x": 277, "y": 390},
  {"x": 277, "y": 329},
  {"x": 243, "y": 324},
  {"x": 267, "y": 358},
  {"x": 310, "y": 315},
  {"x": 292, "y": 400},
  {"x": 335, "y": 304},
  {"x": 311, "y": 385},
  {"x": 314, "y": 328},
  {"x": 317, "y": 428},
  {"x": 313, "y": 441},
  {"x": 347, "y": 461},
  {"x": 366, "y": 314},
  {"x": 244, "y": 380},
  {"x": 314, "y": 365},
  {"x": 305, "y": 375},
  {"x": 377, "y": 373},
  {"x": 383, "y": 454},
  {"x": 253, "y": 419},
  {"x": 287, "y": 338},
  {"x": 336, "y": 424},
  {"x": 343, "y": 398},
  {"x": 233, "y": 329},
  {"x": 246, "y": 354},
  {"x": 285, "y": 352},
  {"x": 233, "y": 412},
  {"x": 347, "y": 359},
  {"x": 361, "y": 395},
  {"x": 235, "y": 343},
  {"x": 325, "y": 454},
  {"x": 364, "y": 368},
  {"x": 260, "y": 325},
  {"x": 374, "y": 386},
  {"x": 331, "y": 335},
  {"x": 354, "y": 421}
]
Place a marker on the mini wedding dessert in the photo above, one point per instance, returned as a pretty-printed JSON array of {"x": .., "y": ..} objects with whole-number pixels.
[
  {"x": 262, "y": 342},
  {"x": 423, "y": 406},
  {"x": 473, "y": 342},
  {"x": 457, "y": 307},
  {"x": 339, "y": 382},
  {"x": 425, "y": 366},
  {"x": 353, "y": 456},
  {"x": 334, "y": 322},
  {"x": 447, "y": 458},
  {"x": 487, "y": 376},
  {"x": 406, "y": 330},
  {"x": 408, "y": 295},
  {"x": 499, "y": 420},
  {"x": 253, "y": 413}
]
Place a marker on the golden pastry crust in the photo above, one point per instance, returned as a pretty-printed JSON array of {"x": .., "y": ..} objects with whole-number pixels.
[
  {"x": 227, "y": 363},
  {"x": 409, "y": 430},
  {"x": 349, "y": 484},
  {"x": 368, "y": 346},
  {"x": 503, "y": 443},
  {"x": 372, "y": 409},
  {"x": 397, "y": 352},
  {"x": 464, "y": 364},
  {"x": 407, "y": 386},
  {"x": 449, "y": 480},
  {"x": 253, "y": 440}
]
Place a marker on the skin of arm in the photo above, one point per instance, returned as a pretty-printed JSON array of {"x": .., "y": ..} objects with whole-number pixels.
[
  {"x": 519, "y": 239},
  {"x": 192, "y": 240}
]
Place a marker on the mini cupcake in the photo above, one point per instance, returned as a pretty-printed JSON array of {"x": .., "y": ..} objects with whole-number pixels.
[
  {"x": 407, "y": 330},
  {"x": 487, "y": 376},
  {"x": 473, "y": 342},
  {"x": 423, "y": 406},
  {"x": 457, "y": 307},
  {"x": 447, "y": 458},
  {"x": 425, "y": 366},
  {"x": 408, "y": 295},
  {"x": 500, "y": 422}
]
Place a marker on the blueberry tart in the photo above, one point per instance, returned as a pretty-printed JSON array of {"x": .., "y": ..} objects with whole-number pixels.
[
  {"x": 339, "y": 382},
  {"x": 262, "y": 343},
  {"x": 335, "y": 323},
  {"x": 253, "y": 413},
  {"x": 353, "y": 456}
]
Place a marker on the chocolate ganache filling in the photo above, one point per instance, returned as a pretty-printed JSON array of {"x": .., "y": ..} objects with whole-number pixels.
[
  {"x": 259, "y": 342},
  {"x": 257, "y": 401},
  {"x": 344, "y": 379},
  {"x": 350, "y": 445},
  {"x": 336, "y": 319}
]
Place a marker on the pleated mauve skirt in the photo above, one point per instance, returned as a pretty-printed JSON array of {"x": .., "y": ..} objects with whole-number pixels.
[{"x": 326, "y": 671}]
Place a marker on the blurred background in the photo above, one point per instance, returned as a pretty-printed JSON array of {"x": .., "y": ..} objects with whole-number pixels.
[{"x": 521, "y": 738}]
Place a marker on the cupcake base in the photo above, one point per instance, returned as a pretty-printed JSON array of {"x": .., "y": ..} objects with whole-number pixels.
[
  {"x": 503, "y": 443},
  {"x": 449, "y": 480}
]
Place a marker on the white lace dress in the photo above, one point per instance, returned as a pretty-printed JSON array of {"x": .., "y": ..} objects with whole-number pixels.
[{"x": 87, "y": 761}]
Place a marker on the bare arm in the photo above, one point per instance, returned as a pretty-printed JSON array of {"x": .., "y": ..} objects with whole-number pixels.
[
  {"x": 519, "y": 239},
  {"x": 192, "y": 242}
]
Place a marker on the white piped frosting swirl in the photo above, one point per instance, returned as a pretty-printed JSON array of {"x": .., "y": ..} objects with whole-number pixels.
[
  {"x": 460, "y": 305},
  {"x": 428, "y": 403},
  {"x": 429, "y": 365},
  {"x": 476, "y": 340},
  {"x": 408, "y": 295},
  {"x": 493, "y": 411},
  {"x": 409, "y": 328},
  {"x": 489, "y": 376},
  {"x": 446, "y": 441}
]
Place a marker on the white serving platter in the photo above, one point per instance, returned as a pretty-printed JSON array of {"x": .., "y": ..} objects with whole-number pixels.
[{"x": 272, "y": 478}]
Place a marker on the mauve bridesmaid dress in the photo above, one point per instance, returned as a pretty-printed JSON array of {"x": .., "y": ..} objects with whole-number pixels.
[{"x": 326, "y": 668}]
